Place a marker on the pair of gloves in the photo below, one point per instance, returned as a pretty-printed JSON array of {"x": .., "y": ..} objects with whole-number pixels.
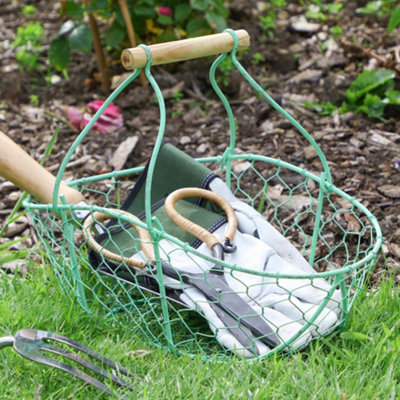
[{"x": 286, "y": 304}]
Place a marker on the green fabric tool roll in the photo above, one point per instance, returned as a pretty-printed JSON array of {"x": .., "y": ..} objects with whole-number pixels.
[{"x": 173, "y": 170}]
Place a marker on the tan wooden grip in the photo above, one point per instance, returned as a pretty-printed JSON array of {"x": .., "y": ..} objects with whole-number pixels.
[
  {"x": 185, "y": 49},
  {"x": 21, "y": 169},
  {"x": 144, "y": 236},
  {"x": 197, "y": 230}
]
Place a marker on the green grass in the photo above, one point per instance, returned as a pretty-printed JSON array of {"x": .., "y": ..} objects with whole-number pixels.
[{"x": 360, "y": 362}]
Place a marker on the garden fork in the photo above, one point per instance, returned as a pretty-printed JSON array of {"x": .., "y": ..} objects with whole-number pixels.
[{"x": 31, "y": 343}]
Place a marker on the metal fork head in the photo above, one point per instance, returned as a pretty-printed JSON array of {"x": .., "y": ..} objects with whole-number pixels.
[{"x": 32, "y": 343}]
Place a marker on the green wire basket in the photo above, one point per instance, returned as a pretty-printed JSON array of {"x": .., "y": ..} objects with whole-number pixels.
[{"x": 337, "y": 236}]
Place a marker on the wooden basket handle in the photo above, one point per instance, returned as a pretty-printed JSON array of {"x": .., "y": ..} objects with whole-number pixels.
[
  {"x": 185, "y": 49},
  {"x": 197, "y": 230},
  {"x": 21, "y": 169}
]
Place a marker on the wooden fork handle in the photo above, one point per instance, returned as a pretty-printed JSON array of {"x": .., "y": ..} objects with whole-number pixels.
[
  {"x": 21, "y": 169},
  {"x": 185, "y": 49}
]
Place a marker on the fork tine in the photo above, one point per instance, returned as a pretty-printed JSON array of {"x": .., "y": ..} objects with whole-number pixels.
[
  {"x": 43, "y": 335},
  {"x": 85, "y": 363},
  {"x": 39, "y": 358},
  {"x": 30, "y": 343}
]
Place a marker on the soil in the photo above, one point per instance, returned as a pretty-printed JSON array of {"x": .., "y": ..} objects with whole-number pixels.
[{"x": 296, "y": 64}]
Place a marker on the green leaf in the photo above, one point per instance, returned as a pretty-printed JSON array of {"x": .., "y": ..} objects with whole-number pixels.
[
  {"x": 59, "y": 53},
  {"x": 114, "y": 35},
  {"x": 27, "y": 59},
  {"x": 372, "y": 7},
  {"x": 323, "y": 108},
  {"x": 50, "y": 145},
  {"x": 170, "y": 37},
  {"x": 394, "y": 20},
  {"x": 29, "y": 10},
  {"x": 73, "y": 10},
  {"x": 387, "y": 331},
  {"x": 182, "y": 11},
  {"x": 345, "y": 107},
  {"x": 194, "y": 26},
  {"x": 373, "y": 106},
  {"x": 165, "y": 20},
  {"x": 148, "y": 2},
  {"x": 12, "y": 242},
  {"x": 66, "y": 28},
  {"x": 200, "y": 5},
  {"x": 221, "y": 8},
  {"x": 355, "y": 336},
  {"x": 216, "y": 20},
  {"x": 81, "y": 38},
  {"x": 8, "y": 256},
  {"x": 317, "y": 15},
  {"x": 334, "y": 8},
  {"x": 96, "y": 5},
  {"x": 393, "y": 96},
  {"x": 368, "y": 81},
  {"x": 145, "y": 11},
  {"x": 30, "y": 33}
]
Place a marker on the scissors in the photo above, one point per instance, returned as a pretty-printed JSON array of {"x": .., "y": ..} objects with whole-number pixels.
[{"x": 238, "y": 316}]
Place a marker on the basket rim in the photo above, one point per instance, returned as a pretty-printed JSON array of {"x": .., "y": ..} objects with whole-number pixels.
[{"x": 30, "y": 204}]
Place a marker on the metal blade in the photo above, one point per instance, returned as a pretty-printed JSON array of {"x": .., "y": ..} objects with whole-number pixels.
[
  {"x": 241, "y": 333},
  {"x": 215, "y": 288},
  {"x": 144, "y": 281}
]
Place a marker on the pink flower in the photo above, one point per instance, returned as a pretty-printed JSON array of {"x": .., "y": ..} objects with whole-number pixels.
[
  {"x": 110, "y": 121},
  {"x": 163, "y": 10}
]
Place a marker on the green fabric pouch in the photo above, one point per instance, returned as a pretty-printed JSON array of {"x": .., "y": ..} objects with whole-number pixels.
[{"x": 174, "y": 169}]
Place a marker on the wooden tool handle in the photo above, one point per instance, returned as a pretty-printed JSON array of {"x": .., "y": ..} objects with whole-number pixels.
[
  {"x": 197, "y": 230},
  {"x": 146, "y": 243},
  {"x": 20, "y": 168},
  {"x": 186, "y": 49}
]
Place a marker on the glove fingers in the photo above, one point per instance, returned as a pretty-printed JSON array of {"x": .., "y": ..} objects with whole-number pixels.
[
  {"x": 285, "y": 328},
  {"x": 302, "y": 312},
  {"x": 197, "y": 301},
  {"x": 312, "y": 291}
]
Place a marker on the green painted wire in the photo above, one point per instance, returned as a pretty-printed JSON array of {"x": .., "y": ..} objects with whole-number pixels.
[
  {"x": 159, "y": 139},
  {"x": 157, "y": 233},
  {"x": 85, "y": 131},
  {"x": 154, "y": 233},
  {"x": 226, "y": 160},
  {"x": 277, "y": 107}
]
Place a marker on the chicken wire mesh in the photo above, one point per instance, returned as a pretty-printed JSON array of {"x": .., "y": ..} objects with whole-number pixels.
[{"x": 302, "y": 293}]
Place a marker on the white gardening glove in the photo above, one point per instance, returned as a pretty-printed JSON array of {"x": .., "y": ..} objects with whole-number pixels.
[
  {"x": 278, "y": 322},
  {"x": 252, "y": 222},
  {"x": 296, "y": 299},
  {"x": 285, "y": 315},
  {"x": 300, "y": 311}
]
